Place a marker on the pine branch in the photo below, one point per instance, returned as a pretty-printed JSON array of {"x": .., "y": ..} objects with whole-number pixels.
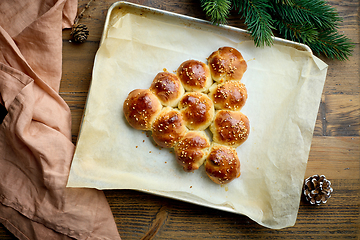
[
  {"x": 333, "y": 45},
  {"x": 217, "y": 10},
  {"x": 316, "y": 12},
  {"x": 312, "y": 22},
  {"x": 257, "y": 19},
  {"x": 329, "y": 43},
  {"x": 303, "y": 33}
]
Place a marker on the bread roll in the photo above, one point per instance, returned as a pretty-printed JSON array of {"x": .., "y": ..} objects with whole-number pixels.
[
  {"x": 222, "y": 164},
  {"x": 192, "y": 150},
  {"x": 230, "y": 128},
  {"x": 168, "y": 88},
  {"x": 195, "y": 76},
  {"x": 197, "y": 110},
  {"x": 230, "y": 95},
  {"x": 141, "y": 107},
  {"x": 226, "y": 63},
  {"x": 168, "y": 128}
]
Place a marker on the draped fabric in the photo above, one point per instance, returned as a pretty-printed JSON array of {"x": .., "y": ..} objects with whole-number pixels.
[{"x": 35, "y": 135}]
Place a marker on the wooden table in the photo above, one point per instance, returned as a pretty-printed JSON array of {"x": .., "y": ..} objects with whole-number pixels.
[{"x": 335, "y": 150}]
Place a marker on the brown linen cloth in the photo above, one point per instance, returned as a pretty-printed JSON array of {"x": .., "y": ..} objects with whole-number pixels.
[{"x": 35, "y": 136}]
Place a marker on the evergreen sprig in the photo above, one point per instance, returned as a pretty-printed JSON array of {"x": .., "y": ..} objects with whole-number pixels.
[
  {"x": 316, "y": 12},
  {"x": 332, "y": 45},
  {"x": 312, "y": 22},
  {"x": 217, "y": 10},
  {"x": 258, "y": 20}
]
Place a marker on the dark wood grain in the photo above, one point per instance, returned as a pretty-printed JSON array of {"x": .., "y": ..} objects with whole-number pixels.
[
  {"x": 135, "y": 212},
  {"x": 335, "y": 149}
]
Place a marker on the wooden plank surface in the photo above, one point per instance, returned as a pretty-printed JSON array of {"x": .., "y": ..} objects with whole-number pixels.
[{"x": 335, "y": 149}]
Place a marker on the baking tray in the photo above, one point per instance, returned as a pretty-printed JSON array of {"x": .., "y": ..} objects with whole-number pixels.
[{"x": 117, "y": 11}]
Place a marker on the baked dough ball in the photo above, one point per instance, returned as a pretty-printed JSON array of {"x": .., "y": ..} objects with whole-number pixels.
[
  {"x": 230, "y": 95},
  {"x": 197, "y": 110},
  {"x": 195, "y": 76},
  {"x": 168, "y": 88},
  {"x": 192, "y": 150},
  {"x": 168, "y": 128},
  {"x": 222, "y": 164},
  {"x": 141, "y": 107},
  {"x": 230, "y": 128},
  {"x": 227, "y": 63}
]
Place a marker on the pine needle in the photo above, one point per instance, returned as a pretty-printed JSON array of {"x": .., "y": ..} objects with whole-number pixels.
[
  {"x": 217, "y": 10},
  {"x": 303, "y": 33},
  {"x": 316, "y": 12},
  {"x": 333, "y": 45},
  {"x": 257, "y": 19},
  {"x": 286, "y": 2}
]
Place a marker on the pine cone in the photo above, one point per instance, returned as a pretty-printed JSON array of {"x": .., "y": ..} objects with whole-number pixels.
[
  {"x": 317, "y": 189},
  {"x": 79, "y": 33}
]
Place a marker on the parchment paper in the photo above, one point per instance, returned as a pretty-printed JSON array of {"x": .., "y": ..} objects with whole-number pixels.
[{"x": 284, "y": 90}]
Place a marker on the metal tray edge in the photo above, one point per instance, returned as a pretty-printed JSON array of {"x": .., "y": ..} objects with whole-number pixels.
[{"x": 286, "y": 42}]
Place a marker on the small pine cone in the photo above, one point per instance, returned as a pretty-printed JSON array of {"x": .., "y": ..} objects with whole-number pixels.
[
  {"x": 79, "y": 33},
  {"x": 317, "y": 189}
]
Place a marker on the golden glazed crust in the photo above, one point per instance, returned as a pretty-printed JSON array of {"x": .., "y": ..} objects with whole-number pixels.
[
  {"x": 168, "y": 128},
  {"x": 195, "y": 76},
  {"x": 178, "y": 108},
  {"x": 168, "y": 88},
  {"x": 226, "y": 64},
  {"x": 222, "y": 164},
  {"x": 197, "y": 110},
  {"x": 230, "y": 128},
  {"x": 141, "y": 107},
  {"x": 192, "y": 150},
  {"x": 230, "y": 95}
]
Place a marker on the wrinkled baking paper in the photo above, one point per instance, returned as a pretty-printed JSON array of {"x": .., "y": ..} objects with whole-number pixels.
[{"x": 284, "y": 90}]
